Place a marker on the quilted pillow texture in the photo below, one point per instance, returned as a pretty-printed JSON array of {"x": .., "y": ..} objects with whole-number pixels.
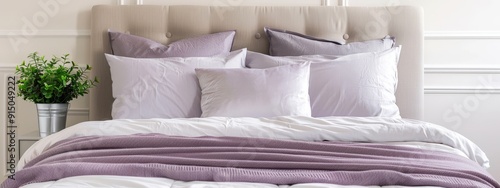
[
  {"x": 201, "y": 46},
  {"x": 162, "y": 87},
  {"x": 360, "y": 85},
  {"x": 287, "y": 43},
  {"x": 277, "y": 91}
]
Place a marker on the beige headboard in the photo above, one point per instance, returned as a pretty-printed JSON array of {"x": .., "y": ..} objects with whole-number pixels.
[{"x": 167, "y": 24}]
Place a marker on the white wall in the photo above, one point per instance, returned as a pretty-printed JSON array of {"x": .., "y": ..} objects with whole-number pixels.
[
  {"x": 49, "y": 27},
  {"x": 462, "y": 72},
  {"x": 462, "y": 75}
]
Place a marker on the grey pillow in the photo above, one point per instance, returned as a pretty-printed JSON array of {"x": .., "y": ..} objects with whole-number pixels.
[
  {"x": 287, "y": 43},
  {"x": 127, "y": 45}
]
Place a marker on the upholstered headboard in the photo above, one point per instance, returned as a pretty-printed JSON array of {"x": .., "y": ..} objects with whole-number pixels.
[{"x": 167, "y": 24}]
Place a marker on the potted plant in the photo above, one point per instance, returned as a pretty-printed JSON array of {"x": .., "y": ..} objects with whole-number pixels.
[{"x": 51, "y": 84}]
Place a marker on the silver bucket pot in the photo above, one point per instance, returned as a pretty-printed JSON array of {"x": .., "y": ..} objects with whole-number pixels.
[{"x": 51, "y": 117}]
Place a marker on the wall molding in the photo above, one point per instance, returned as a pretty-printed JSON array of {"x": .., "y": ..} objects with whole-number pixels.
[
  {"x": 461, "y": 70},
  {"x": 78, "y": 112},
  {"x": 7, "y": 68},
  {"x": 449, "y": 35},
  {"x": 11, "y": 68},
  {"x": 448, "y": 90},
  {"x": 46, "y": 33}
]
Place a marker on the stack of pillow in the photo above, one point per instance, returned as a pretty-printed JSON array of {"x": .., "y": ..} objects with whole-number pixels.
[{"x": 302, "y": 76}]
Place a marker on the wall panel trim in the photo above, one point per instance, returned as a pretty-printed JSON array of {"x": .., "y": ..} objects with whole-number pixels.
[
  {"x": 46, "y": 33},
  {"x": 443, "y": 35},
  {"x": 461, "y": 70},
  {"x": 447, "y": 90},
  {"x": 7, "y": 68},
  {"x": 78, "y": 112}
]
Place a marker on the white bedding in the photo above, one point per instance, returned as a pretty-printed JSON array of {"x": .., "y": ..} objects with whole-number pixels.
[
  {"x": 394, "y": 131},
  {"x": 140, "y": 182}
]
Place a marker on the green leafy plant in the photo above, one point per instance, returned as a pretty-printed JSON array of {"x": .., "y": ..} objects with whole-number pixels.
[{"x": 58, "y": 80}]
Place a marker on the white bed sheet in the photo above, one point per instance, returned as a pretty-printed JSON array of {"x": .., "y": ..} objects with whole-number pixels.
[
  {"x": 141, "y": 182},
  {"x": 393, "y": 131}
]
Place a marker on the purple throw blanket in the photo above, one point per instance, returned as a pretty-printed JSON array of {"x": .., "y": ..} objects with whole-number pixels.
[{"x": 251, "y": 160}]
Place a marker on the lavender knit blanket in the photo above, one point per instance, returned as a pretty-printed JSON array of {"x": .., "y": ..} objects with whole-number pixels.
[{"x": 251, "y": 160}]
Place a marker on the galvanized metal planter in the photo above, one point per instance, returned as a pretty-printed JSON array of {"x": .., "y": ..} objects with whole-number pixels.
[{"x": 51, "y": 117}]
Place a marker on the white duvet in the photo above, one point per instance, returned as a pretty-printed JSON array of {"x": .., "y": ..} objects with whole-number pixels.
[{"x": 394, "y": 131}]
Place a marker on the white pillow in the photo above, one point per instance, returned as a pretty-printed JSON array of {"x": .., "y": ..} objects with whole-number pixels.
[
  {"x": 162, "y": 87},
  {"x": 278, "y": 91},
  {"x": 360, "y": 85}
]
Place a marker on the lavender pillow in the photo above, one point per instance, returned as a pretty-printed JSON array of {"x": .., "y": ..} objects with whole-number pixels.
[
  {"x": 287, "y": 43},
  {"x": 201, "y": 46}
]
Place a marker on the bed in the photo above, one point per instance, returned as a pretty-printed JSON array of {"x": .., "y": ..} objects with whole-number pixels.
[{"x": 223, "y": 149}]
